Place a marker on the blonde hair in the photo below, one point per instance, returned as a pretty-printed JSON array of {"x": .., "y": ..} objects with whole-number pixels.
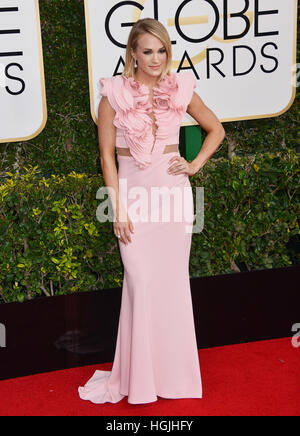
[{"x": 155, "y": 28}]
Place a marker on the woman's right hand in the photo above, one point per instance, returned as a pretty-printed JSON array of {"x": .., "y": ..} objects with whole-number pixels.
[{"x": 123, "y": 227}]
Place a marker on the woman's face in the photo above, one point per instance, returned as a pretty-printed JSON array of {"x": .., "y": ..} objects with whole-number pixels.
[{"x": 150, "y": 53}]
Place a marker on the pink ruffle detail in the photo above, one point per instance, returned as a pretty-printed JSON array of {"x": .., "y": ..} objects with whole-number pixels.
[
  {"x": 130, "y": 100},
  {"x": 135, "y": 122}
]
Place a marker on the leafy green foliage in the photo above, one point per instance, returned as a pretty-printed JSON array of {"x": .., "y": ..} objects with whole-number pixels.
[
  {"x": 251, "y": 209},
  {"x": 53, "y": 244}
]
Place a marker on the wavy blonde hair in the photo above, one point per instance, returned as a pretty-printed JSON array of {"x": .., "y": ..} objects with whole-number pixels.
[{"x": 155, "y": 28}]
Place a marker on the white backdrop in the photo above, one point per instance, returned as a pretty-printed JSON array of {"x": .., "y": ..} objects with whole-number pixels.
[
  {"x": 257, "y": 39},
  {"x": 23, "y": 110}
]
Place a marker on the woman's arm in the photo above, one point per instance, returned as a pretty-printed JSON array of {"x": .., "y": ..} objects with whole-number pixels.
[
  {"x": 107, "y": 144},
  {"x": 210, "y": 123}
]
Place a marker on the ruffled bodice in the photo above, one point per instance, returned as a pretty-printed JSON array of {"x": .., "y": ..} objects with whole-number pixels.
[{"x": 130, "y": 100}]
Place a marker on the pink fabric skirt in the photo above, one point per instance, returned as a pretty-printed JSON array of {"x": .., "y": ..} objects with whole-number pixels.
[{"x": 156, "y": 351}]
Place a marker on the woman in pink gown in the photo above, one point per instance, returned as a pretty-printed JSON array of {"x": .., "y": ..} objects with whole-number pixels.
[{"x": 140, "y": 113}]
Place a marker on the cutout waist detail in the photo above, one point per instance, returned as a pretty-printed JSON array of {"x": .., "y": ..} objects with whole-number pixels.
[{"x": 168, "y": 149}]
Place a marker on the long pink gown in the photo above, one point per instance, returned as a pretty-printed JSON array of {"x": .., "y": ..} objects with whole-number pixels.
[{"x": 156, "y": 351}]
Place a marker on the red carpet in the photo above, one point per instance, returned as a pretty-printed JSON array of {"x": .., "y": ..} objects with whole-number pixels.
[{"x": 253, "y": 379}]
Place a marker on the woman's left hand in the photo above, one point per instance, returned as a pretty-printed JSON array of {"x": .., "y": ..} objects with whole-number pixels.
[{"x": 181, "y": 166}]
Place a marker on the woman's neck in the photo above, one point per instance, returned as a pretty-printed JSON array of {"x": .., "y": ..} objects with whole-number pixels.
[{"x": 146, "y": 80}]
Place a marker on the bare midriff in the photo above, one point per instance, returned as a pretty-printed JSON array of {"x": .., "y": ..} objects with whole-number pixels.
[{"x": 168, "y": 149}]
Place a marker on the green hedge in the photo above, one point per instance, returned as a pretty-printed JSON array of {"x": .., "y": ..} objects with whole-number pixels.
[{"x": 52, "y": 242}]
